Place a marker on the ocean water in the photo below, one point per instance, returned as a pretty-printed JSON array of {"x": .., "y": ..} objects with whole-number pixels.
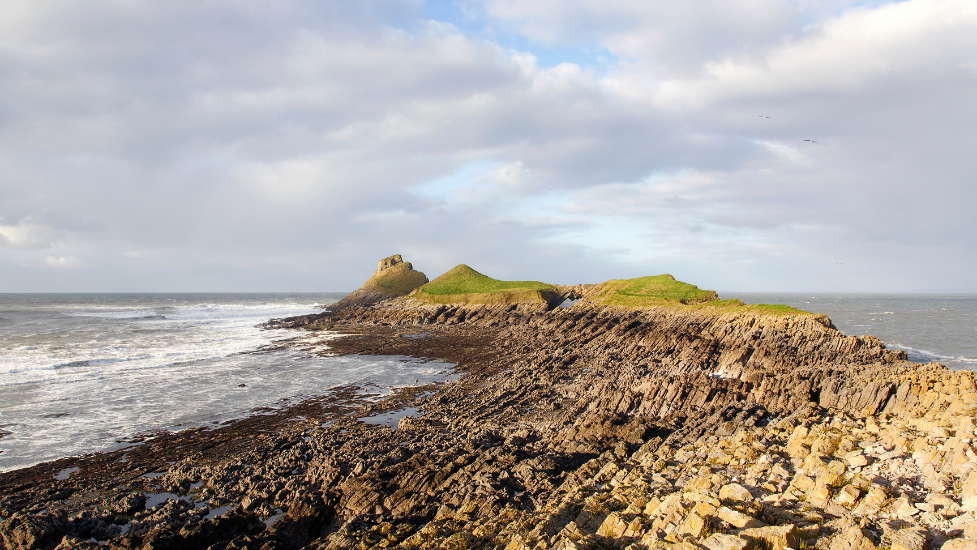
[
  {"x": 929, "y": 327},
  {"x": 81, "y": 372}
]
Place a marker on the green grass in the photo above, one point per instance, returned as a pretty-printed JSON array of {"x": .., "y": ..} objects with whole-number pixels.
[
  {"x": 664, "y": 290},
  {"x": 465, "y": 280},
  {"x": 463, "y": 284},
  {"x": 777, "y": 308},
  {"x": 649, "y": 291}
]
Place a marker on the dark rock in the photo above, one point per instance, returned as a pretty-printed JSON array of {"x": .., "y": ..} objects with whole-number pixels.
[{"x": 33, "y": 531}]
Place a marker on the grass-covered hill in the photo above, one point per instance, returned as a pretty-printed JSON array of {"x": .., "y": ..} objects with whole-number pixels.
[
  {"x": 463, "y": 284},
  {"x": 649, "y": 291},
  {"x": 665, "y": 290}
]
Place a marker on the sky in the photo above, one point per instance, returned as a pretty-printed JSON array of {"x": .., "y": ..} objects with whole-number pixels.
[{"x": 246, "y": 146}]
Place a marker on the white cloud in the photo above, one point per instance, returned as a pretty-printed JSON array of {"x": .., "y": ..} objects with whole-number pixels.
[
  {"x": 62, "y": 261},
  {"x": 850, "y": 54},
  {"x": 27, "y": 234}
]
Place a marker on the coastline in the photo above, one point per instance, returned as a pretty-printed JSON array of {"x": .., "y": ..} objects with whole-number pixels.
[{"x": 564, "y": 420}]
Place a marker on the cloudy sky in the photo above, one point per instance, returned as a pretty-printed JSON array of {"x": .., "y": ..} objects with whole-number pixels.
[{"x": 286, "y": 146}]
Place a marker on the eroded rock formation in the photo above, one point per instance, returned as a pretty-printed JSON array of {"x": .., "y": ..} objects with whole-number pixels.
[{"x": 393, "y": 277}]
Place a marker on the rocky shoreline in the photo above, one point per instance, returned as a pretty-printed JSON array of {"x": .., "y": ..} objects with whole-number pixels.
[{"x": 581, "y": 427}]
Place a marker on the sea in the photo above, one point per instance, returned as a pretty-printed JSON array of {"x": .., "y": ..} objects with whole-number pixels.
[{"x": 82, "y": 373}]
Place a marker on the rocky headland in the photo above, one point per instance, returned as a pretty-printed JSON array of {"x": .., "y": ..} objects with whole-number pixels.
[{"x": 648, "y": 415}]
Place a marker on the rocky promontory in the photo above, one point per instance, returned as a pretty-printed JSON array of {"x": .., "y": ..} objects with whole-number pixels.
[
  {"x": 671, "y": 420},
  {"x": 394, "y": 277}
]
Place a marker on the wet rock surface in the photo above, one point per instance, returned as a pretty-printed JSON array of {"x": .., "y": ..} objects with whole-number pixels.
[{"x": 577, "y": 427}]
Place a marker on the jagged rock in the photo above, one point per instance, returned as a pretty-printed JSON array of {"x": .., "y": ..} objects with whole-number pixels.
[
  {"x": 872, "y": 503},
  {"x": 734, "y": 492},
  {"x": 852, "y": 538},
  {"x": 903, "y": 507},
  {"x": 720, "y": 541},
  {"x": 959, "y": 544},
  {"x": 909, "y": 539},
  {"x": 737, "y": 519},
  {"x": 847, "y": 496},
  {"x": 968, "y": 493},
  {"x": 856, "y": 459},
  {"x": 777, "y": 537},
  {"x": 393, "y": 277},
  {"x": 613, "y": 527},
  {"x": 73, "y": 543},
  {"x": 32, "y": 531},
  {"x": 694, "y": 526}
]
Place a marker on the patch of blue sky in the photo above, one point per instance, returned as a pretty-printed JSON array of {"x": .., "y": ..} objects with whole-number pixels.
[
  {"x": 444, "y": 187},
  {"x": 551, "y": 56},
  {"x": 472, "y": 24},
  {"x": 815, "y": 12},
  {"x": 448, "y": 11}
]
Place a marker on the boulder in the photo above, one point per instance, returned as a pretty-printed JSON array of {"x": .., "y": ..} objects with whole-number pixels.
[
  {"x": 968, "y": 494},
  {"x": 778, "y": 537},
  {"x": 734, "y": 492},
  {"x": 720, "y": 541},
  {"x": 32, "y": 532},
  {"x": 851, "y": 538},
  {"x": 911, "y": 538}
]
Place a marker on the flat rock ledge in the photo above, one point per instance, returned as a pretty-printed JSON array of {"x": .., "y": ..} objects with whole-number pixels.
[{"x": 570, "y": 428}]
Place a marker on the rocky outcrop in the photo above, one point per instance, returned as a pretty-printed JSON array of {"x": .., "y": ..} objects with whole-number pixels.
[
  {"x": 393, "y": 277},
  {"x": 582, "y": 427}
]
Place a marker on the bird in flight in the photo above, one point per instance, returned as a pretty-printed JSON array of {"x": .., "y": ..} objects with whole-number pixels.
[
  {"x": 761, "y": 116},
  {"x": 812, "y": 141}
]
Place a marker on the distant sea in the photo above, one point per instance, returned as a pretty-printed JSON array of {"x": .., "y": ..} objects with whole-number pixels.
[{"x": 83, "y": 372}]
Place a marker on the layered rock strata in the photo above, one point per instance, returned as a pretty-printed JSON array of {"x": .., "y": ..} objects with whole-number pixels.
[{"x": 581, "y": 427}]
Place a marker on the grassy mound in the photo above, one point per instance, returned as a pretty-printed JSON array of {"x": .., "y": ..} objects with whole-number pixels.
[
  {"x": 664, "y": 290},
  {"x": 650, "y": 291},
  {"x": 463, "y": 284}
]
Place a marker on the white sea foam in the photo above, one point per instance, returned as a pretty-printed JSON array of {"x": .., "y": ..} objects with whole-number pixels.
[
  {"x": 922, "y": 355},
  {"x": 84, "y": 376}
]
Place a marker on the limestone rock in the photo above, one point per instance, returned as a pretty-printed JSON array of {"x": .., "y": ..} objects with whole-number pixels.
[
  {"x": 613, "y": 527},
  {"x": 694, "y": 526},
  {"x": 848, "y": 496},
  {"x": 872, "y": 502},
  {"x": 968, "y": 494},
  {"x": 777, "y": 537},
  {"x": 856, "y": 459},
  {"x": 720, "y": 541},
  {"x": 737, "y": 519},
  {"x": 734, "y": 492},
  {"x": 852, "y": 538},
  {"x": 909, "y": 539},
  {"x": 903, "y": 508}
]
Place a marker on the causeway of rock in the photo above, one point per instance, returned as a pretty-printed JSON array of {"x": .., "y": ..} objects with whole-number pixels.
[{"x": 580, "y": 427}]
